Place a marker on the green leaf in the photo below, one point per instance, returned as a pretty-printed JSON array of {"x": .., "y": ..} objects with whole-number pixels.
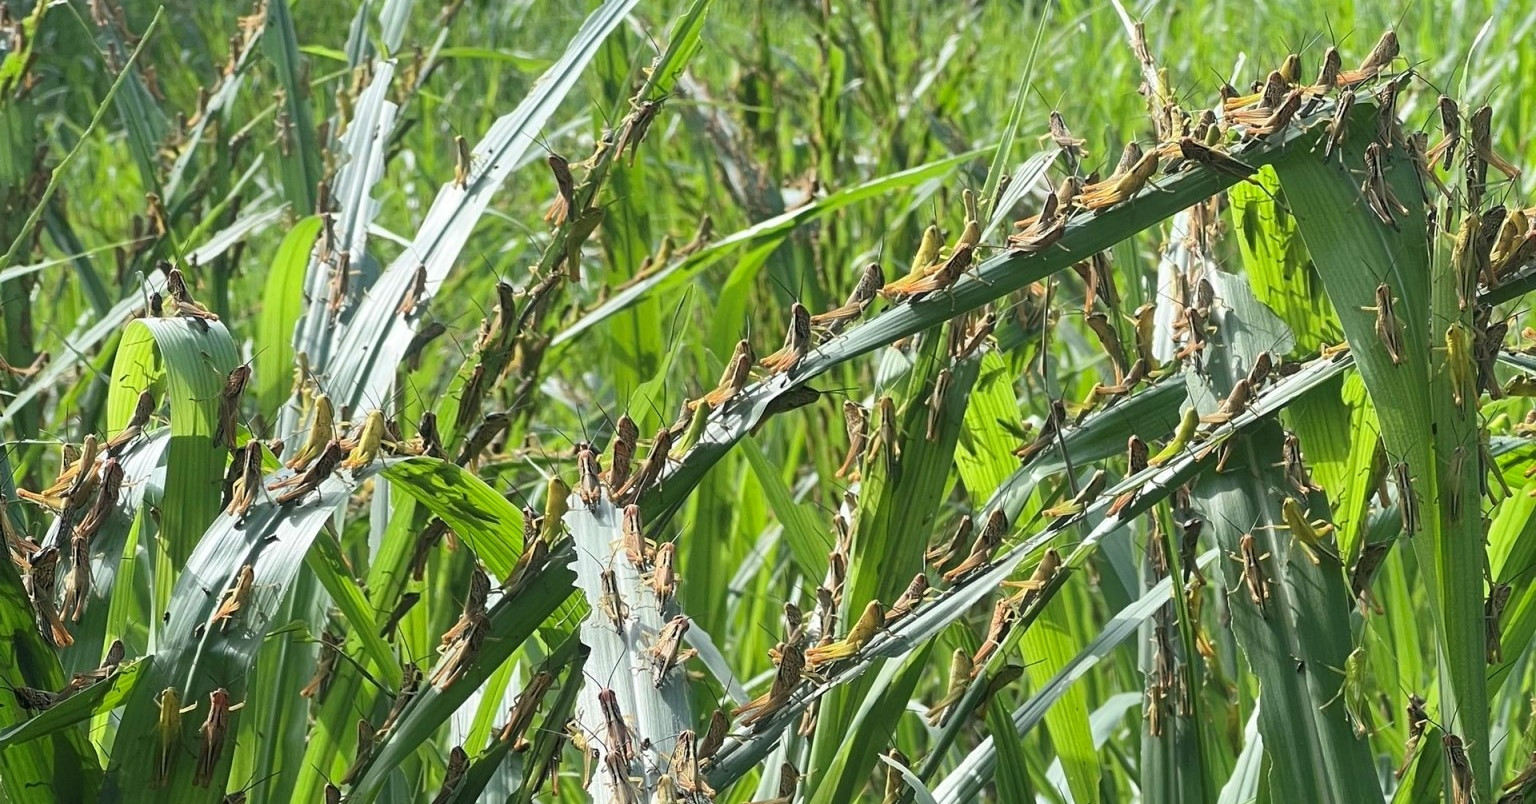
[
  {"x": 186, "y": 363},
  {"x": 281, "y": 304}
]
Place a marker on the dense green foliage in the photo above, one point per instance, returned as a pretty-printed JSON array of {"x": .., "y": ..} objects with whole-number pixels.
[{"x": 442, "y": 259}]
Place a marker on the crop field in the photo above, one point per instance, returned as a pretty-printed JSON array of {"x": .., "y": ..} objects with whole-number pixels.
[{"x": 789, "y": 402}]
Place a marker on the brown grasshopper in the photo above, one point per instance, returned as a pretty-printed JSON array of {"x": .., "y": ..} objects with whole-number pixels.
[
  {"x": 797, "y": 343},
  {"x": 870, "y": 282},
  {"x": 738, "y": 372},
  {"x": 213, "y": 732},
  {"x": 668, "y": 652}
]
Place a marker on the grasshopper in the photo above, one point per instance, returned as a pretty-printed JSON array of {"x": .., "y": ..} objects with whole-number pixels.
[
  {"x": 1493, "y": 615},
  {"x": 1110, "y": 341},
  {"x": 1004, "y": 614},
  {"x": 179, "y": 302},
  {"x": 300, "y": 485},
  {"x": 624, "y": 789},
  {"x": 247, "y": 484},
  {"x": 367, "y": 736},
  {"x": 1444, "y": 151},
  {"x": 1234, "y": 405},
  {"x": 589, "y": 485},
  {"x": 1309, "y": 534},
  {"x": 528, "y": 565},
  {"x": 987, "y": 542},
  {"x": 927, "y": 254},
  {"x": 1279, "y": 118},
  {"x": 1338, "y": 126},
  {"x": 523, "y": 710},
  {"x": 611, "y": 603},
  {"x": 1481, "y": 142},
  {"x": 321, "y": 431},
  {"x": 626, "y": 434},
  {"x": 1407, "y": 499},
  {"x": 663, "y": 579},
  {"x": 235, "y": 599},
  {"x": 941, "y": 278},
  {"x": 649, "y": 472},
  {"x": 213, "y": 732},
  {"x": 856, "y": 420},
  {"x": 714, "y": 735},
  {"x": 1214, "y": 158},
  {"x": 737, "y": 374},
  {"x": 960, "y": 673},
  {"x": 415, "y": 292},
  {"x": 462, "y": 162},
  {"x": 108, "y": 486},
  {"x": 868, "y": 624},
  {"x": 637, "y": 124},
  {"x": 410, "y": 684},
  {"x": 77, "y": 583},
  {"x": 668, "y": 651},
  {"x": 1523, "y": 785},
  {"x": 1465, "y": 261},
  {"x": 1039, "y": 232},
  {"x": 1328, "y": 71},
  {"x": 909, "y": 600},
  {"x": 1253, "y": 576},
  {"x": 1378, "y": 59},
  {"x": 1388, "y": 328},
  {"x": 565, "y": 186},
  {"x": 1122, "y": 186},
  {"x": 40, "y": 580},
  {"x": 1188, "y": 424},
  {"x": 950, "y": 550},
  {"x": 1294, "y": 467},
  {"x": 797, "y": 342},
  {"x": 1462, "y": 783},
  {"x": 936, "y": 403},
  {"x": 635, "y": 547},
  {"x": 341, "y": 274},
  {"x": 1378, "y": 193},
  {"x": 556, "y": 495},
  {"x": 403, "y": 607},
  {"x": 1046, "y": 437},
  {"x": 620, "y": 743},
  {"x": 1031, "y": 590},
  {"x": 1418, "y": 721},
  {"x": 1364, "y": 570},
  {"x": 325, "y": 666},
  {"x": 885, "y": 444},
  {"x": 864, "y": 293},
  {"x": 369, "y": 441},
  {"x": 109, "y": 665},
  {"x": 976, "y": 336},
  {"x": 461, "y": 653},
  {"x": 474, "y": 607},
  {"x": 453, "y": 774},
  {"x": 142, "y": 410},
  {"x": 1070, "y": 145},
  {"x": 1513, "y": 233},
  {"x": 1387, "y": 130},
  {"x": 1268, "y": 95},
  {"x": 168, "y": 729},
  {"x": 1459, "y": 364},
  {"x": 792, "y": 666},
  {"x": 1084, "y": 497}
]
